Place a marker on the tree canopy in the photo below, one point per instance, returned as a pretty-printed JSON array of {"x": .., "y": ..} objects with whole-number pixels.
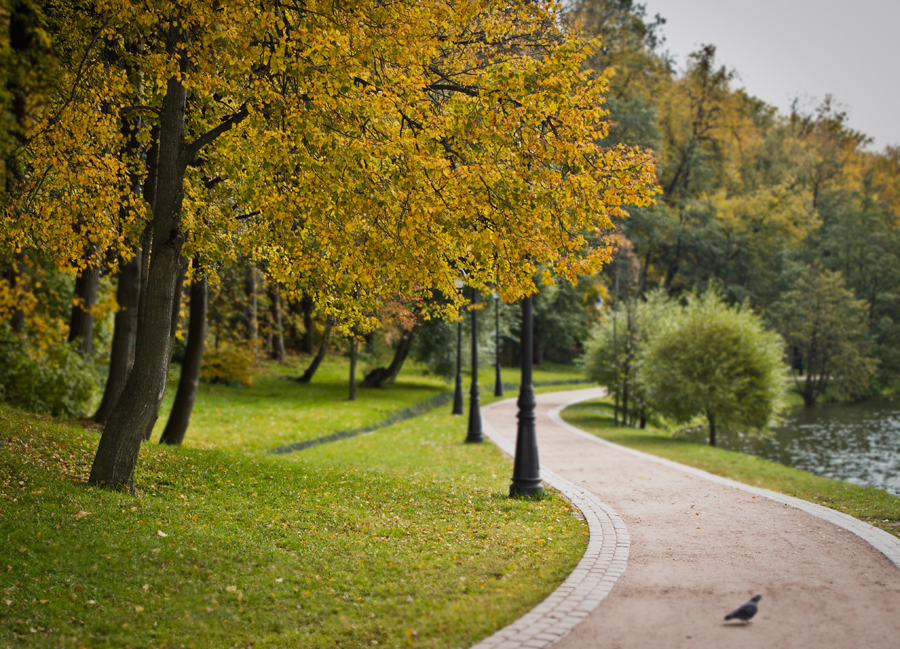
[{"x": 363, "y": 151}]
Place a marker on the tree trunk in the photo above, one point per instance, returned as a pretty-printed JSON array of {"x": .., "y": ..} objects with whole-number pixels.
[
  {"x": 323, "y": 349},
  {"x": 180, "y": 416},
  {"x": 14, "y": 273},
  {"x": 81, "y": 323},
  {"x": 809, "y": 387},
  {"x": 252, "y": 312},
  {"x": 121, "y": 359},
  {"x": 128, "y": 291},
  {"x": 381, "y": 376},
  {"x": 138, "y": 407},
  {"x": 277, "y": 326},
  {"x": 353, "y": 346},
  {"x": 307, "y": 343},
  {"x": 712, "y": 428}
]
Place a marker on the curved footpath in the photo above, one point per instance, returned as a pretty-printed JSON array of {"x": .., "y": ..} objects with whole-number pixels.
[{"x": 673, "y": 549}]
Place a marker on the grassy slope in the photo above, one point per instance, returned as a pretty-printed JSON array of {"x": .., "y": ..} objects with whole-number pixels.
[
  {"x": 875, "y": 506},
  {"x": 403, "y": 537}
]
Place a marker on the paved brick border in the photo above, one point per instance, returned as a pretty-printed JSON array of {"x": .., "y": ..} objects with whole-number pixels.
[
  {"x": 414, "y": 410},
  {"x": 887, "y": 544},
  {"x": 603, "y": 563}
]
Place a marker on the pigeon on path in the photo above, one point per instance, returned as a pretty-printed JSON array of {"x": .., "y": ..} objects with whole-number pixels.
[{"x": 745, "y": 612}]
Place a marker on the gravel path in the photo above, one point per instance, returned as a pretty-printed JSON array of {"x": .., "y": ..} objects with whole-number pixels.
[{"x": 694, "y": 547}]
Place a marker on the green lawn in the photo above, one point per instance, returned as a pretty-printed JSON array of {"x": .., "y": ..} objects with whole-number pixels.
[
  {"x": 875, "y": 506},
  {"x": 277, "y": 411},
  {"x": 404, "y": 537}
]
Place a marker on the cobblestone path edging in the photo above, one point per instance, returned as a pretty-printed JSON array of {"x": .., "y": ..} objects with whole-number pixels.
[{"x": 603, "y": 563}]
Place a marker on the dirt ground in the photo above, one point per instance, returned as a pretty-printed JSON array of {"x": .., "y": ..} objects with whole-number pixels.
[{"x": 700, "y": 549}]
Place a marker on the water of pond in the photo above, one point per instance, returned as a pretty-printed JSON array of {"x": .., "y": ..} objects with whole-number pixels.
[{"x": 857, "y": 442}]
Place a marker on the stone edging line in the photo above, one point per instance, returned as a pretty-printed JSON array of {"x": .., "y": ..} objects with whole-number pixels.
[
  {"x": 589, "y": 583},
  {"x": 427, "y": 405},
  {"x": 885, "y": 543}
]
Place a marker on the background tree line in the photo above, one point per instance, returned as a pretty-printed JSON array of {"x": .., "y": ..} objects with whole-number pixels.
[{"x": 792, "y": 216}]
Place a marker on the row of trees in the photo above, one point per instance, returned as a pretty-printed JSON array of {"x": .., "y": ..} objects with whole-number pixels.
[
  {"x": 360, "y": 154},
  {"x": 792, "y": 215}
]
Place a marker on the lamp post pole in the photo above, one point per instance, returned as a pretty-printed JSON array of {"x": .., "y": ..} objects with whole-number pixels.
[
  {"x": 498, "y": 379},
  {"x": 458, "y": 392},
  {"x": 473, "y": 434},
  {"x": 526, "y": 479}
]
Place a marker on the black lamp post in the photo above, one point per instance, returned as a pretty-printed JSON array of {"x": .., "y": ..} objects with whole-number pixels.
[
  {"x": 498, "y": 379},
  {"x": 458, "y": 393},
  {"x": 526, "y": 479},
  {"x": 473, "y": 435}
]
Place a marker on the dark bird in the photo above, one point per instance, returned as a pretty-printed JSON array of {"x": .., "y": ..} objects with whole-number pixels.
[{"x": 745, "y": 612}]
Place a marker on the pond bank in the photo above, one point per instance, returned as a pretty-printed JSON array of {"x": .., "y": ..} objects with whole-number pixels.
[{"x": 858, "y": 442}]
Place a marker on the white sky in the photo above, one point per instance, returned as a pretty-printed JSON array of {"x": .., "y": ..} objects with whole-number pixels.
[{"x": 782, "y": 49}]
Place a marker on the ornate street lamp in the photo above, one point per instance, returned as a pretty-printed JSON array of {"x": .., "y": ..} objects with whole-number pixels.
[
  {"x": 473, "y": 434},
  {"x": 526, "y": 479},
  {"x": 458, "y": 393},
  {"x": 498, "y": 379}
]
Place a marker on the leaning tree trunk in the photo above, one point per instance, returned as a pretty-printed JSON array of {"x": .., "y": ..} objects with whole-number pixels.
[
  {"x": 81, "y": 323},
  {"x": 320, "y": 355},
  {"x": 128, "y": 294},
  {"x": 381, "y": 376},
  {"x": 138, "y": 407},
  {"x": 277, "y": 326},
  {"x": 180, "y": 416}
]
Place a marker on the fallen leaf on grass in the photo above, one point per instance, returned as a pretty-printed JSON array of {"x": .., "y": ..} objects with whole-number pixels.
[
  {"x": 82, "y": 514},
  {"x": 161, "y": 533},
  {"x": 231, "y": 589},
  {"x": 138, "y": 609}
]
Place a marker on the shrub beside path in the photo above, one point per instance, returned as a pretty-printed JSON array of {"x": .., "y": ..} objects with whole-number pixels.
[{"x": 698, "y": 546}]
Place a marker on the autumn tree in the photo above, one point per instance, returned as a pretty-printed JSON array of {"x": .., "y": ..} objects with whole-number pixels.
[{"x": 358, "y": 149}]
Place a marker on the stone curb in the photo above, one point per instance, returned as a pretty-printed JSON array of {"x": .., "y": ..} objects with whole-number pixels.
[
  {"x": 429, "y": 404},
  {"x": 589, "y": 583},
  {"x": 885, "y": 543}
]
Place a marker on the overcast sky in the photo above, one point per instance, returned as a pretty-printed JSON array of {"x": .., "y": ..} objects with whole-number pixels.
[{"x": 783, "y": 49}]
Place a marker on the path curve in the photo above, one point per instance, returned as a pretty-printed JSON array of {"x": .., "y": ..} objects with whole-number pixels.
[{"x": 698, "y": 545}]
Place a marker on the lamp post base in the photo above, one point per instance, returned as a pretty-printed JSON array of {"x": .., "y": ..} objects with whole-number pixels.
[{"x": 526, "y": 491}]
